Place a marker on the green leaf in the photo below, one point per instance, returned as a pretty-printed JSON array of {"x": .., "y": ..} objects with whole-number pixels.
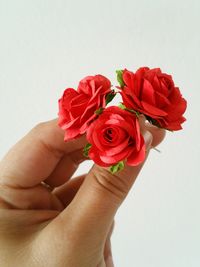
[
  {"x": 119, "y": 77},
  {"x": 86, "y": 149},
  {"x": 137, "y": 113},
  {"x": 122, "y": 106},
  {"x": 110, "y": 97},
  {"x": 99, "y": 111},
  {"x": 117, "y": 167}
]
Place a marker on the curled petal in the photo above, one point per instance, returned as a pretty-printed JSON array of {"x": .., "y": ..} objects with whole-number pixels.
[{"x": 137, "y": 156}]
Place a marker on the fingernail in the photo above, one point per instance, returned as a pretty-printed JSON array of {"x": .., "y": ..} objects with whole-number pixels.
[{"x": 148, "y": 139}]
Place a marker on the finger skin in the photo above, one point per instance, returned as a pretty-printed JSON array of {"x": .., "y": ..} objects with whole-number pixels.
[
  {"x": 67, "y": 192},
  {"x": 79, "y": 233},
  {"x": 94, "y": 206},
  {"x": 108, "y": 249},
  {"x": 36, "y": 155},
  {"x": 42, "y": 155},
  {"x": 35, "y": 158},
  {"x": 65, "y": 168}
]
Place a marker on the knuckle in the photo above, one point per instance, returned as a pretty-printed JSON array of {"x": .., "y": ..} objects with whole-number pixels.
[{"x": 112, "y": 183}]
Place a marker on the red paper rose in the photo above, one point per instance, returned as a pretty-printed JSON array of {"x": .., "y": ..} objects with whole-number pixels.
[
  {"x": 114, "y": 137},
  {"x": 154, "y": 94},
  {"x": 77, "y": 108}
]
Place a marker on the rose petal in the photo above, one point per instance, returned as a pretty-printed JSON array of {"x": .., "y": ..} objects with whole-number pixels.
[
  {"x": 117, "y": 149},
  {"x": 137, "y": 157},
  {"x": 68, "y": 95},
  {"x": 85, "y": 126},
  {"x": 129, "y": 98},
  {"x": 68, "y": 124},
  {"x": 164, "y": 89},
  {"x": 161, "y": 100},
  {"x": 115, "y": 158},
  {"x": 139, "y": 76},
  {"x": 148, "y": 93},
  {"x": 88, "y": 112},
  {"x": 153, "y": 110},
  {"x": 71, "y": 134},
  {"x": 94, "y": 155},
  {"x": 128, "y": 78}
]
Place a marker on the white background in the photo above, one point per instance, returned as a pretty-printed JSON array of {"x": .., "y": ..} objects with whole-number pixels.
[{"x": 46, "y": 46}]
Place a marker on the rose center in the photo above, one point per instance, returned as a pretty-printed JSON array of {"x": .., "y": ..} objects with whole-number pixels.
[
  {"x": 112, "y": 135},
  {"x": 109, "y": 134}
]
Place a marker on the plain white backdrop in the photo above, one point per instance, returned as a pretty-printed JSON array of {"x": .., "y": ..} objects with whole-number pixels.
[{"x": 46, "y": 46}]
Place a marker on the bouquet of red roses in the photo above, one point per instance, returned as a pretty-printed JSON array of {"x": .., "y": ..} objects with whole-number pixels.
[{"x": 113, "y": 133}]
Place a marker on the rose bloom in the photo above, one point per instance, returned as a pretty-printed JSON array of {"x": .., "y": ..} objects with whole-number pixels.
[
  {"x": 154, "y": 94},
  {"x": 115, "y": 136},
  {"x": 77, "y": 108}
]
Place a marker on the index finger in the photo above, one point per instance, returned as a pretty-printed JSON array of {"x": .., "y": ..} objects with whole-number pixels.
[{"x": 36, "y": 155}]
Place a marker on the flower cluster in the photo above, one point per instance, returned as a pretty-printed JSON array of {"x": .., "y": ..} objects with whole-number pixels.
[{"x": 113, "y": 133}]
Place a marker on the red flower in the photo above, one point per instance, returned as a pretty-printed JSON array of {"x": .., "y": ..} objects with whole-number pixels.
[
  {"x": 77, "y": 108},
  {"x": 114, "y": 137},
  {"x": 154, "y": 94}
]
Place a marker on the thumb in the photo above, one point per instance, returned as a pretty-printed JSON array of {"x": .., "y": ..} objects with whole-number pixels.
[{"x": 92, "y": 210}]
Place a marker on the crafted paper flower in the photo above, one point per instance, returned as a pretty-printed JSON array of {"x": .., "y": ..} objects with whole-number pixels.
[
  {"x": 77, "y": 107},
  {"x": 114, "y": 137},
  {"x": 154, "y": 94},
  {"x": 113, "y": 133}
]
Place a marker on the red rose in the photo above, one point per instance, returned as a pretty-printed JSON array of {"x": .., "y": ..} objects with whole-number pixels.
[
  {"x": 154, "y": 94},
  {"x": 114, "y": 137},
  {"x": 77, "y": 108}
]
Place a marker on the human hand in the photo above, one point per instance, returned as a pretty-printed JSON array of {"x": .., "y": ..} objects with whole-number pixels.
[{"x": 46, "y": 219}]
